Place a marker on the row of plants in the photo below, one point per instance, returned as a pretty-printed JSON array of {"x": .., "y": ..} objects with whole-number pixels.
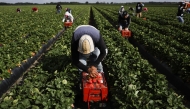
[
  {"x": 164, "y": 48},
  {"x": 165, "y": 16},
  {"x": 51, "y": 84},
  {"x": 138, "y": 83},
  {"x": 172, "y": 33},
  {"x": 182, "y": 35},
  {"x": 23, "y": 34}
]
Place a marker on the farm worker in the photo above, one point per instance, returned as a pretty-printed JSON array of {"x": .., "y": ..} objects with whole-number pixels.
[
  {"x": 18, "y": 10},
  {"x": 88, "y": 44},
  {"x": 121, "y": 10},
  {"x": 187, "y": 7},
  {"x": 58, "y": 7},
  {"x": 181, "y": 9},
  {"x": 145, "y": 9},
  {"x": 35, "y": 9},
  {"x": 68, "y": 10},
  {"x": 139, "y": 9},
  {"x": 68, "y": 17},
  {"x": 124, "y": 21}
]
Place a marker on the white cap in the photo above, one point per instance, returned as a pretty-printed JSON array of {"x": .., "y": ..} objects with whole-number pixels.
[
  {"x": 67, "y": 13},
  {"x": 121, "y": 6},
  {"x": 86, "y": 45}
]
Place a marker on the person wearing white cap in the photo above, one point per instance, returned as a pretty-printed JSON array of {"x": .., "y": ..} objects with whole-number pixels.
[
  {"x": 181, "y": 9},
  {"x": 121, "y": 10},
  {"x": 87, "y": 43},
  {"x": 68, "y": 17}
]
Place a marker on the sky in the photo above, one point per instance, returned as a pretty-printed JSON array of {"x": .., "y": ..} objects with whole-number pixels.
[{"x": 83, "y": 1}]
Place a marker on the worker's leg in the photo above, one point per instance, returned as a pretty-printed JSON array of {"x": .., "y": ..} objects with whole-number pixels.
[
  {"x": 140, "y": 14},
  {"x": 137, "y": 14},
  {"x": 180, "y": 19},
  {"x": 58, "y": 11}
]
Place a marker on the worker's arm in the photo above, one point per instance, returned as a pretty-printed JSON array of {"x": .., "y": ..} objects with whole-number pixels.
[
  {"x": 119, "y": 19},
  {"x": 128, "y": 21},
  {"x": 63, "y": 19}
]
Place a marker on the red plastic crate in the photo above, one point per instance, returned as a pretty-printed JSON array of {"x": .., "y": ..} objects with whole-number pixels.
[
  {"x": 188, "y": 5},
  {"x": 95, "y": 91},
  {"x": 68, "y": 24},
  {"x": 144, "y": 18},
  {"x": 126, "y": 33}
]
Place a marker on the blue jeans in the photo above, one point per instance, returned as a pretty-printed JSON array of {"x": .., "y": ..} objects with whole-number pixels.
[
  {"x": 58, "y": 11},
  {"x": 180, "y": 19},
  {"x": 93, "y": 57}
]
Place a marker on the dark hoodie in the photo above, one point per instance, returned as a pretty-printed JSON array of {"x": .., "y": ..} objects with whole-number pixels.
[
  {"x": 124, "y": 21},
  {"x": 58, "y": 7},
  {"x": 139, "y": 7}
]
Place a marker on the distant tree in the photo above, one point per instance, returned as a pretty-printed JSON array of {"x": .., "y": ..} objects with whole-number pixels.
[
  {"x": 97, "y": 2},
  {"x": 111, "y": 3}
]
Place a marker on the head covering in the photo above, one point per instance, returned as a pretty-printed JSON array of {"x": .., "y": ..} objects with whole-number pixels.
[
  {"x": 182, "y": 3},
  {"x": 121, "y": 6},
  {"x": 67, "y": 14},
  {"x": 124, "y": 13},
  {"x": 86, "y": 45}
]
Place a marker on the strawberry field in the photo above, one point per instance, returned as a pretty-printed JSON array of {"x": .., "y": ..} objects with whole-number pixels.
[{"x": 133, "y": 82}]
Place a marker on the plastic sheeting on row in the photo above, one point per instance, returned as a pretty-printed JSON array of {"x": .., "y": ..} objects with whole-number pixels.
[{"x": 18, "y": 71}]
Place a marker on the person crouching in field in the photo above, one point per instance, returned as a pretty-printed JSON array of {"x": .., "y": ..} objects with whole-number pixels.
[
  {"x": 68, "y": 17},
  {"x": 181, "y": 9},
  {"x": 120, "y": 12},
  {"x": 124, "y": 21},
  {"x": 18, "y": 10},
  {"x": 35, "y": 9},
  {"x": 139, "y": 9}
]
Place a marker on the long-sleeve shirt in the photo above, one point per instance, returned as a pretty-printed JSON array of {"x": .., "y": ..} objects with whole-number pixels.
[
  {"x": 139, "y": 7},
  {"x": 124, "y": 21},
  {"x": 58, "y": 7},
  {"x": 180, "y": 11},
  {"x": 68, "y": 16},
  {"x": 98, "y": 42}
]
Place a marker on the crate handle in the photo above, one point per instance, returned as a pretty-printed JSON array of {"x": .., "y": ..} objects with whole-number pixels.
[{"x": 89, "y": 97}]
